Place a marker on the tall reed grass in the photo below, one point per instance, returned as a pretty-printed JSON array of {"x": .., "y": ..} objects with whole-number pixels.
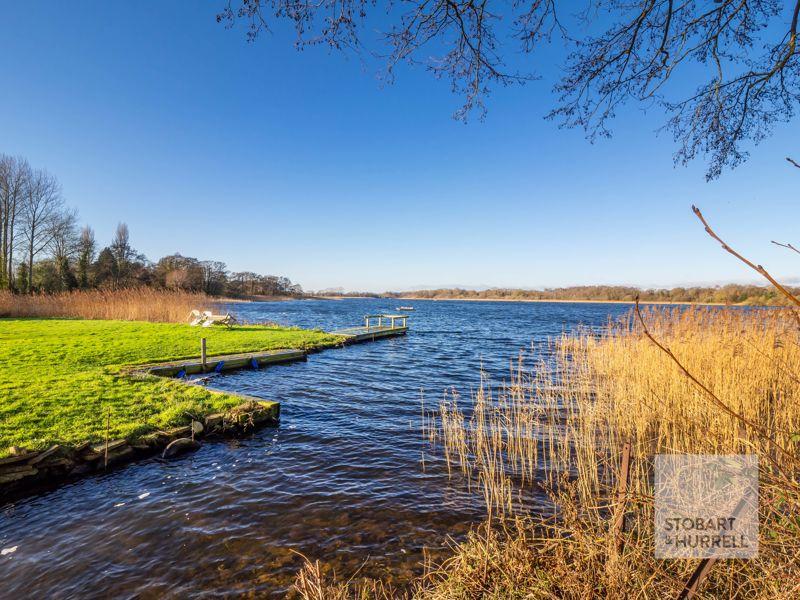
[
  {"x": 138, "y": 304},
  {"x": 562, "y": 429},
  {"x": 544, "y": 450}
]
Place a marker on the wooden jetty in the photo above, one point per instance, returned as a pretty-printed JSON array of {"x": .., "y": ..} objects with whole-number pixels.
[
  {"x": 228, "y": 362},
  {"x": 375, "y": 327}
]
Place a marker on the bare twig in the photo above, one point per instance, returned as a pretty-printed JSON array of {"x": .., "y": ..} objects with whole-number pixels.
[
  {"x": 757, "y": 268},
  {"x": 795, "y": 163},
  {"x": 789, "y": 246}
]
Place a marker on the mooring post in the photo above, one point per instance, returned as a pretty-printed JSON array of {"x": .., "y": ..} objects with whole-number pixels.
[
  {"x": 108, "y": 429},
  {"x": 203, "y": 353}
]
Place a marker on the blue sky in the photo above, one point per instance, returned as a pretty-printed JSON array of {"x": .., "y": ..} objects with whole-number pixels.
[{"x": 304, "y": 164}]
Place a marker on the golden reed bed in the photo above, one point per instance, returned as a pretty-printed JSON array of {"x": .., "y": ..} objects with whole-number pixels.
[{"x": 138, "y": 304}]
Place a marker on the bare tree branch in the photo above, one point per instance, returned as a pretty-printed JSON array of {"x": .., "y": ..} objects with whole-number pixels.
[
  {"x": 789, "y": 246},
  {"x": 757, "y": 268},
  {"x": 742, "y": 55}
]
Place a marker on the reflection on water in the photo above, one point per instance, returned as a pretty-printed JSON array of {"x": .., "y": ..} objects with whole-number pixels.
[{"x": 340, "y": 480}]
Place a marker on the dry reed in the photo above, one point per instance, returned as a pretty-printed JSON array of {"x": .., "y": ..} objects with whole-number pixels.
[
  {"x": 137, "y": 304},
  {"x": 312, "y": 583}
]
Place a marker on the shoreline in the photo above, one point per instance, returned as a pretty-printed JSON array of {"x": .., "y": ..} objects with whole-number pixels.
[
  {"x": 28, "y": 473},
  {"x": 245, "y": 299},
  {"x": 530, "y": 300},
  {"x": 560, "y": 301},
  {"x": 544, "y": 300}
]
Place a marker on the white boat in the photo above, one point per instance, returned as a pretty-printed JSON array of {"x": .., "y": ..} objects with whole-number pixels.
[{"x": 405, "y": 308}]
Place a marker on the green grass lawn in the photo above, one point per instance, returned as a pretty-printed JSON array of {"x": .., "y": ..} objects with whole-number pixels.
[{"x": 59, "y": 378}]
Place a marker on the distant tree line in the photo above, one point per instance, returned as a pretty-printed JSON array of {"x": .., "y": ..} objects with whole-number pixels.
[
  {"x": 43, "y": 250},
  {"x": 726, "y": 294}
]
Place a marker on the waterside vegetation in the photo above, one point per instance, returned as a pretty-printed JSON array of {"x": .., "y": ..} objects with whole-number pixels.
[{"x": 135, "y": 304}]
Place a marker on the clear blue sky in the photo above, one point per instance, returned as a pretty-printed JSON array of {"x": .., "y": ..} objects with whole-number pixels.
[{"x": 303, "y": 164}]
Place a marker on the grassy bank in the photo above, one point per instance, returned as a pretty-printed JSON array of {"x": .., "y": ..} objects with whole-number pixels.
[
  {"x": 558, "y": 430},
  {"x": 60, "y": 378}
]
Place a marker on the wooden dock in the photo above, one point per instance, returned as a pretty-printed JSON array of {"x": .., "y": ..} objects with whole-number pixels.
[
  {"x": 374, "y": 328},
  {"x": 228, "y": 362}
]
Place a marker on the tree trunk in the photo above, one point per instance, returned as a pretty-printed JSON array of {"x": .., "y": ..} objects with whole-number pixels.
[
  {"x": 30, "y": 262},
  {"x": 9, "y": 256},
  {"x": 5, "y": 233}
]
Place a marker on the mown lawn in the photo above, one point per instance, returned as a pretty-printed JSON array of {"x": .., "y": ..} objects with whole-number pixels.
[{"x": 59, "y": 378}]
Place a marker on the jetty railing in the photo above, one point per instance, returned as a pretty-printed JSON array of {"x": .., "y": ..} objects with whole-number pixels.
[
  {"x": 376, "y": 327},
  {"x": 368, "y": 319}
]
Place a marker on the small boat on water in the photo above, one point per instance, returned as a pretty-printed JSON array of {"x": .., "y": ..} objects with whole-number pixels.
[{"x": 405, "y": 308}]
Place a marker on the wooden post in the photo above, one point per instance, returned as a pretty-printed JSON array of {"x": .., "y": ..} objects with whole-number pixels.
[
  {"x": 108, "y": 427},
  {"x": 622, "y": 494},
  {"x": 380, "y": 321},
  {"x": 392, "y": 322},
  {"x": 203, "y": 353},
  {"x": 700, "y": 573},
  {"x": 705, "y": 566}
]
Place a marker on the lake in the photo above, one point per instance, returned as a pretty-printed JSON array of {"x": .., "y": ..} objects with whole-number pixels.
[{"x": 341, "y": 479}]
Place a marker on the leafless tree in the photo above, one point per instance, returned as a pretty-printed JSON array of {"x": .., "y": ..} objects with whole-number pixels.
[
  {"x": 123, "y": 252},
  {"x": 41, "y": 211},
  {"x": 86, "y": 252},
  {"x": 215, "y": 276},
  {"x": 15, "y": 174},
  {"x": 179, "y": 272},
  {"x": 64, "y": 237},
  {"x": 739, "y": 58}
]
